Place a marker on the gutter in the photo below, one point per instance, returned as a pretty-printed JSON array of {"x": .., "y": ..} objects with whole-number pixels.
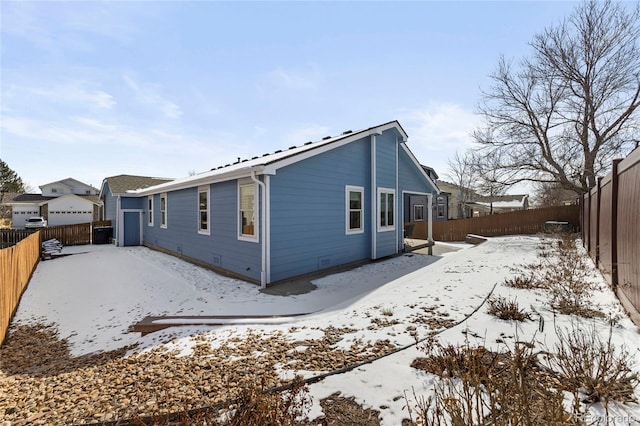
[
  {"x": 191, "y": 181},
  {"x": 263, "y": 226}
]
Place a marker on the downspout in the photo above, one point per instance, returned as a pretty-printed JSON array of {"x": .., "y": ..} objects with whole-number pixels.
[
  {"x": 430, "y": 223},
  {"x": 120, "y": 221},
  {"x": 263, "y": 222},
  {"x": 399, "y": 200},
  {"x": 374, "y": 200}
]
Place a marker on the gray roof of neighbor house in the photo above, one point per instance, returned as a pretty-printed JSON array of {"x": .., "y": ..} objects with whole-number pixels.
[
  {"x": 431, "y": 172},
  {"x": 40, "y": 199},
  {"x": 123, "y": 184}
]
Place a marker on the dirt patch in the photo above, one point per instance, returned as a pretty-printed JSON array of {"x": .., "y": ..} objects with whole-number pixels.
[{"x": 342, "y": 411}]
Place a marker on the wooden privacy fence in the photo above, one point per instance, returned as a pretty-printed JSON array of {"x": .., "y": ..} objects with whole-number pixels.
[
  {"x": 511, "y": 223},
  {"x": 68, "y": 235},
  {"x": 611, "y": 228},
  {"x": 16, "y": 266}
]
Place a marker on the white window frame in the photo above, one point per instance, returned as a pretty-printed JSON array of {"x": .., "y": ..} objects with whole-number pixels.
[
  {"x": 440, "y": 202},
  {"x": 248, "y": 237},
  {"x": 204, "y": 190},
  {"x": 164, "y": 214},
  {"x": 415, "y": 216},
  {"x": 384, "y": 193},
  {"x": 348, "y": 190},
  {"x": 150, "y": 210}
]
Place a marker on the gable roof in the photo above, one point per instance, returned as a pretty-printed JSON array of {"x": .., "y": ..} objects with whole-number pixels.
[
  {"x": 125, "y": 184},
  {"x": 269, "y": 163},
  {"x": 41, "y": 199},
  {"x": 93, "y": 198},
  {"x": 502, "y": 201},
  {"x": 66, "y": 182}
]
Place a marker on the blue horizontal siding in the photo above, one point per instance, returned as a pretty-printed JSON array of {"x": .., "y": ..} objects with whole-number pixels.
[
  {"x": 308, "y": 216},
  {"x": 220, "y": 249},
  {"x": 386, "y": 149},
  {"x": 410, "y": 178}
]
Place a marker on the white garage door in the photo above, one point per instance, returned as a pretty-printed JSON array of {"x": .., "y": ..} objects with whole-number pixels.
[
  {"x": 20, "y": 216},
  {"x": 69, "y": 217}
]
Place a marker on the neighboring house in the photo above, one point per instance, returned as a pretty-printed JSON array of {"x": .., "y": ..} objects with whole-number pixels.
[
  {"x": 483, "y": 205},
  {"x": 464, "y": 203},
  {"x": 63, "y": 202},
  {"x": 116, "y": 195},
  {"x": 415, "y": 206},
  {"x": 456, "y": 208},
  {"x": 270, "y": 218}
]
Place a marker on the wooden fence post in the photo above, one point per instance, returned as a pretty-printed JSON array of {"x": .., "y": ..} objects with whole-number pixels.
[{"x": 615, "y": 181}]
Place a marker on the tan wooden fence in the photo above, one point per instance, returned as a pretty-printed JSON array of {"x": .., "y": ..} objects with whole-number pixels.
[
  {"x": 68, "y": 235},
  {"x": 16, "y": 266},
  {"x": 611, "y": 228},
  {"x": 511, "y": 223}
]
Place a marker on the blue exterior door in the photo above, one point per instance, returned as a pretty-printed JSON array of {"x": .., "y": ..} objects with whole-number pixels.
[{"x": 131, "y": 228}]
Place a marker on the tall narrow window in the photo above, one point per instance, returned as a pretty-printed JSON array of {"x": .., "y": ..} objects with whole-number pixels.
[
  {"x": 440, "y": 207},
  {"x": 150, "y": 210},
  {"x": 203, "y": 211},
  {"x": 386, "y": 218},
  {"x": 163, "y": 210},
  {"x": 354, "y": 209},
  {"x": 418, "y": 213},
  {"x": 247, "y": 212}
]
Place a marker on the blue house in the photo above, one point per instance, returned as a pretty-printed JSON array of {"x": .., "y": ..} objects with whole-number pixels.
[{"x": 285, "y": 214}]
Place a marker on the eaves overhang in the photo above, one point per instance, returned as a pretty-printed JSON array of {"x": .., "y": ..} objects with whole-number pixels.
[{"x": 193, "y": 181}]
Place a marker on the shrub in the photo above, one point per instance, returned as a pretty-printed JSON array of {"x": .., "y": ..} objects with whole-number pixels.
[
  {"x": 587, "y": 362},
  {"x": 506, "y": 309},
  {"x": 480, "y": 387}
]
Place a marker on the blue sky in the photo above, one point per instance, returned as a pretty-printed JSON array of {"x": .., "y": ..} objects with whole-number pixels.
[{"x": 96, "y": 89}]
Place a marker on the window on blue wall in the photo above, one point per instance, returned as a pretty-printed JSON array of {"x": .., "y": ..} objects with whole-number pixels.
[
  {"x": 247, "y": 211},
  {"x": 386, "y": 200},
  {"x": 203, "y": 211},
  {"x": 418, "y": 213},
  {"x": 355, "y": 209},
  {"x": 150, "y": 210},
  {"x": 163, "y": 210}
]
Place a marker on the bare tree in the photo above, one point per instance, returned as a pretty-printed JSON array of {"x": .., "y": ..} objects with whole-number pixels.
[
  {"x": 490, "y": 177},
  {"x": 462, "y": 173},
  {"x": 566, "y": 111},
  {"x": 550, "y": 194}
]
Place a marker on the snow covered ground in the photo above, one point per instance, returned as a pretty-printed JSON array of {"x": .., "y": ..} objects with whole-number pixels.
[{"x": 94, "y": 296}]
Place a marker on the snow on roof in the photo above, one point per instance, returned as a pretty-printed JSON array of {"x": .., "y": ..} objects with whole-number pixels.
[
  {"x": 503, "y": 201},
  {"x": 258, "y": 163}
]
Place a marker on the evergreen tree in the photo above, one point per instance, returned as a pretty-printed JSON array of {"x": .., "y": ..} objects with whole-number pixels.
[{"x": 9, "y": 181}]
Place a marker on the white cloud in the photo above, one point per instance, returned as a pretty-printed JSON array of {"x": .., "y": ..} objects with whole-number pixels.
[
  {"x": 437, "y": 131},
  {"x": 440, "y": 127},
  {"x": 312, "y": 132},
  {"x": 73, "y": 94},
  {"x": 300, "y": 79},
  {"x": 149, "y": 95}
]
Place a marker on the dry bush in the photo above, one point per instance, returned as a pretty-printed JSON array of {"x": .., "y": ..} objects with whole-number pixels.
[
  {"x": 506, "y": 309},
  {"x": 525, "y": 282},
  {"x": 594, "y": 366},
  {"x": 481, "y": 387},
  {"x": 255, "y": 407},
  {"x": 564, "y": 273}
]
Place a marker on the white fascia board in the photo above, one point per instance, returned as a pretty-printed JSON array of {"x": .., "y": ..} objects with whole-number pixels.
[
  {"x": 417, "y": 164},
  {"x": 192, "y": 181}
]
